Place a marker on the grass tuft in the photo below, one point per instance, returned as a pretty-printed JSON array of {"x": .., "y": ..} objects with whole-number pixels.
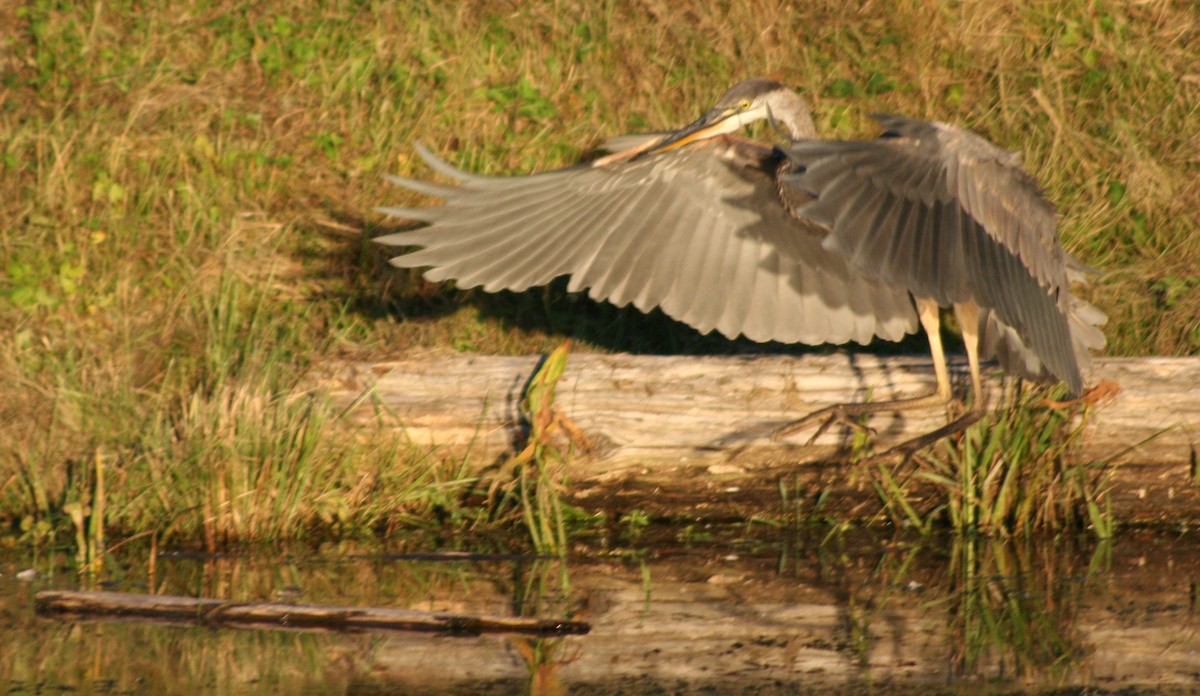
[{"x": 1014, "y": 473}]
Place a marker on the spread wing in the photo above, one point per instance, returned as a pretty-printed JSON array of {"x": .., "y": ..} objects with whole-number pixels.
[
  {"x": 1083, "y": 318},
  {"x": 944, "y": 214},
  {"x": 704, "y": 238}
]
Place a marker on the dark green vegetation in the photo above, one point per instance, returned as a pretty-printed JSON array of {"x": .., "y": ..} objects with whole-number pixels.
[{"x": 186, "y": 190}]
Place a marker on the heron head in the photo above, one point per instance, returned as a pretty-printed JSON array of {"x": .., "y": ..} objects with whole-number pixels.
[{"x": 745, "y": 103}]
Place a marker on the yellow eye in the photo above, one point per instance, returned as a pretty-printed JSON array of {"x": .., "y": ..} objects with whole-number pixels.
[{"x": 743, "y": 105}]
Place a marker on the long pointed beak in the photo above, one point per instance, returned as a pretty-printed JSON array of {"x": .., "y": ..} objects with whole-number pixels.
[{"x": 714, "y": 123}]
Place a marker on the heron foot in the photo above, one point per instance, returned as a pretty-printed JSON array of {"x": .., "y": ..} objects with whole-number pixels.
[
  {"x": 840, "y": 414},
  {"x": 905, "y": 450},
  {"x": 847, "y": 414}
]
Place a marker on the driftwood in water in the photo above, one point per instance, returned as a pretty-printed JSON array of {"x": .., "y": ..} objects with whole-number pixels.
[
  {"x": 755, "y": 610},
  {"x": 290, "y": 616},
  {"x": 668, "y": 430}
]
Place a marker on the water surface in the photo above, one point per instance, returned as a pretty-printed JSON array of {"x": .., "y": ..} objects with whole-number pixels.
[{"x": 672, "y": 610}]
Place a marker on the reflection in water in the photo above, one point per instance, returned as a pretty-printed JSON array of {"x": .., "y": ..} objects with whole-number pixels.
[
  {"x": 1010, "y": 609},
  {"x": 544, "y": 590},
  {"x": 745, "y": 611},
  {"x": 1014, "y": 609}
]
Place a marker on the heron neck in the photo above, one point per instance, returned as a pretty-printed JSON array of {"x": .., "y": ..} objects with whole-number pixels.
[{"x": 790, "y": 111}]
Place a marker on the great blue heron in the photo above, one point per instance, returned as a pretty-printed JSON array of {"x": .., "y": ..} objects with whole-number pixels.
[{"x": 813, "y": 242}]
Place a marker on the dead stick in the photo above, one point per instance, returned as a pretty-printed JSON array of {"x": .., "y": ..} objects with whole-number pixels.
[{"x": 292, "y": 616}]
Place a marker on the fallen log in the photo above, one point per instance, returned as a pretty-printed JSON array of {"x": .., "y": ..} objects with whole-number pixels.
[
  {"x": 289, "y": 616},
  {"x": 668, "y": 430}
]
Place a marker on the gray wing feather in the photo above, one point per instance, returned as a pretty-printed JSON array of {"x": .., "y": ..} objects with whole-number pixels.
[
  {"x": 683, "y": 231},
  {"x": 942, "y": 213},
  {"x": 1014, "y": 355}
]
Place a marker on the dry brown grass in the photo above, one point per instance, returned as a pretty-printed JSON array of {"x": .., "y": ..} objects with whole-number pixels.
[{"x": 187, "y": 186}]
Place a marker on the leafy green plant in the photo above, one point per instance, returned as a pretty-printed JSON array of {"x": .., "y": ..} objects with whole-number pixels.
[{"x": 41, "y": 283}]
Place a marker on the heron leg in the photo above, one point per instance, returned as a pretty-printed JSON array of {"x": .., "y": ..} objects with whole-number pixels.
[
  {"x": 968, "y": 319},
  {"x": 928, "y": 312}
]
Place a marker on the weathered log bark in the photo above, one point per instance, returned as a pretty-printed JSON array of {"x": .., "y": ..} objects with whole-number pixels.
[
  {"x": 668, "y": 430},
  {"x": 290, "y": 616}
]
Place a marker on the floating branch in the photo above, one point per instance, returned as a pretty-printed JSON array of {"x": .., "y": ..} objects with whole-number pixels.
[{"x": 290, "y": 616}]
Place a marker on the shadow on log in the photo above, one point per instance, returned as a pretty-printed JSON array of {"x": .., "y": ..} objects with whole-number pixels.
[{"x": 692, "y": 434}]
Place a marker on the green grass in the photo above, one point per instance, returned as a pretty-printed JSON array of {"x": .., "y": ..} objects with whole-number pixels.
[
  {"x": 1013, "y": 473},
  {"x": 186, "y": 190}
]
